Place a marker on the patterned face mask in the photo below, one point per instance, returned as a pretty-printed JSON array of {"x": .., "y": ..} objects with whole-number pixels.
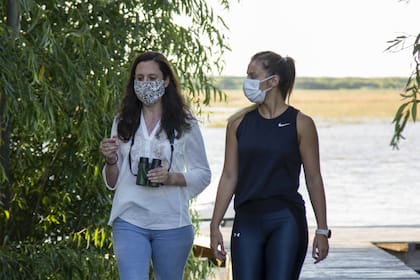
[{"x": 149, "y": 92}]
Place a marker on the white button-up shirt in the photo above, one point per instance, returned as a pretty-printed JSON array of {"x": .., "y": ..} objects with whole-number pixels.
[{"x": 164, "y": 207}]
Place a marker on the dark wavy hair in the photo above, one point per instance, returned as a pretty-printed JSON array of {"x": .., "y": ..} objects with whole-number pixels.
[
  {"x": 176, "y": 114},
  {"x": 283, "y": 66}
]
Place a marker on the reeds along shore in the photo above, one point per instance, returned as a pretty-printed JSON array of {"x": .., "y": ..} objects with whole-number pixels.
[{"x": 346, "y": 105}]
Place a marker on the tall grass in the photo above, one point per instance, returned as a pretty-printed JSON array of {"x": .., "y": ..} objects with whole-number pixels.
[{"x": 344, "y": 105}]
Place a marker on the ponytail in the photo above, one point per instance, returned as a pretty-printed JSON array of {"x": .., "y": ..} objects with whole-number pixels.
[
  {"x": 286, "y": 87},
  {"x": 284, "y": 67}
]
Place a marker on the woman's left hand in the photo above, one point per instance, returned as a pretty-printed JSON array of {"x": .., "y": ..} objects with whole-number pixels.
[
  {"x": 158, "y": 175},
  {"x": 320, "y": 248}
]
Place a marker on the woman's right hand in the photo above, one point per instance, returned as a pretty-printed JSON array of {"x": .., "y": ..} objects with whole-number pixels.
[
  {"x": 109, "y": 147},
  {"x": 216, "y": 244}
]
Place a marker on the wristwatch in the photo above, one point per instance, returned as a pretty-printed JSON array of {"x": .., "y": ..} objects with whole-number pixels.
[{"x": 326, "y": 232}]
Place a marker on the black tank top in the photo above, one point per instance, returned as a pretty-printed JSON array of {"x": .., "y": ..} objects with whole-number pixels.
[{"x": 269, "y": 161}]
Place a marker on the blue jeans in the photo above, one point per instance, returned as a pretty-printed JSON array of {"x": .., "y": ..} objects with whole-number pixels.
[{"x": 134, "y": 247}]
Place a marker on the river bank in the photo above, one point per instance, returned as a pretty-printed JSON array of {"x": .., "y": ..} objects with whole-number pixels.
[{"x": 329, "y": 105}]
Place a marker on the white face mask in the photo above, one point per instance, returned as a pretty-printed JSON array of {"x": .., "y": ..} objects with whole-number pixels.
[
  {"x": 252, "y": 90},
  {"x": 149, "y": 92}
]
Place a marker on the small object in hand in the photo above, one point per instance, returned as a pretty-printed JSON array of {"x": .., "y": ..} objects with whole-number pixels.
[
  {"x": 143, "y": 168},
  {"x": 155, "y": 164}
]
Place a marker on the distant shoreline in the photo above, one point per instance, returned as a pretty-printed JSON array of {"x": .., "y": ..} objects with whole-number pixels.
[
  {"x": 342, "y": 104},
  {"x": 325, "y": 83}
]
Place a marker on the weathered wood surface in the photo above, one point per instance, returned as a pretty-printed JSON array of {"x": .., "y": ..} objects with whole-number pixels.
[
  {"x": 353, "y": 255},
  {"x": 348, "y": 263},
  {"x": 357, "y": 263}
]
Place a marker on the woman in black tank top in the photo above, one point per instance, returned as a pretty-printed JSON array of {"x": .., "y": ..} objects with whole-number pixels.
[{"x": 266, "y": 146}]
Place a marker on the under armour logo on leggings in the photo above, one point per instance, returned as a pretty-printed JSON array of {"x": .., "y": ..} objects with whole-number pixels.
[{"x": 236, "y": 234}]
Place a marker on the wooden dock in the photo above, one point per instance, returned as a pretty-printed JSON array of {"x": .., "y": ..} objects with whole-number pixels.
[
  {"x": 358, "y": 263},
  {"x": 353, "y": 255}
]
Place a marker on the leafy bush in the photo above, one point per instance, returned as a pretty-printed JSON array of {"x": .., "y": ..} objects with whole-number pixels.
[
  {"x": 61, "y": 260},
  {"x": 86, "y": 255},
  {"x": 63, "y": 66}
]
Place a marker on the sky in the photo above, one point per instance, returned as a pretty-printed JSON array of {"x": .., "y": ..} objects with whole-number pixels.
[{"x": 327, "y": 38}]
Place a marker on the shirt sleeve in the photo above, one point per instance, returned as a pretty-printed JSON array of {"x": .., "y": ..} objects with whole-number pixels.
[
  {"x": 119, "y": 161},
  {"x": 198, "y": 174}
]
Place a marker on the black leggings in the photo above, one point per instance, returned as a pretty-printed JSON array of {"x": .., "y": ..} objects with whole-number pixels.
[{"x": 268, "y": 246}]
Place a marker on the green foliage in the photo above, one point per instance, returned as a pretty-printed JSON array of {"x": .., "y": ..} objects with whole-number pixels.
[
  {"x": 85, "y": 255},
  {"x": 411, "y": 92},
  {"x": 198, "y": 269},
  {"x": 61, "y": 260},
  {"x": 62, "y": 75}
]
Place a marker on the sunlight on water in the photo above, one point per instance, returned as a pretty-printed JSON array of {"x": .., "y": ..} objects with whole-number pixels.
[{"x": 367, "y": 182}]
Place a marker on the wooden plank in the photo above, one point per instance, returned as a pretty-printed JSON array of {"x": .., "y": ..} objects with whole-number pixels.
[
  {"x": 348, "y": 263},
  {"x": 358, "y": 263},
  {"x": 393, "y": 246},
  {"x": 353, "y": 255},
  {"x": 201, "y": 249}
]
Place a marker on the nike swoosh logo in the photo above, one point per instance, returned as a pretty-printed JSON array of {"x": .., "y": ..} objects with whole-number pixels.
[{"x": 283, "y": 124}]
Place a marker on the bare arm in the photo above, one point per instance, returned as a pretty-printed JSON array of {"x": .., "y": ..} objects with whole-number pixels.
[
  {"x": 309, "y": 150},
  {"x": 111, "y": 173},
  {"x": 225, "y": 189},
  {"x": 109, "y": 147}
]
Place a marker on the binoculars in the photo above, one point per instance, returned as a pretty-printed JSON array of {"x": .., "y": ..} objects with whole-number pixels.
[{"x": 143, "y": 167}]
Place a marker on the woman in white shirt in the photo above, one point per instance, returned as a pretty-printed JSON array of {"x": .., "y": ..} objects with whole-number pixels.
[{"x": 150, "y": 216}]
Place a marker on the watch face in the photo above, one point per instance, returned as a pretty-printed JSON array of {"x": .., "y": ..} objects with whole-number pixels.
[{"x": 329, "y": 233}]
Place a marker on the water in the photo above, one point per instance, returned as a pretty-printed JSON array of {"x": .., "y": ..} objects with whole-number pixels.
[{"x": 367, "y": 182}]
